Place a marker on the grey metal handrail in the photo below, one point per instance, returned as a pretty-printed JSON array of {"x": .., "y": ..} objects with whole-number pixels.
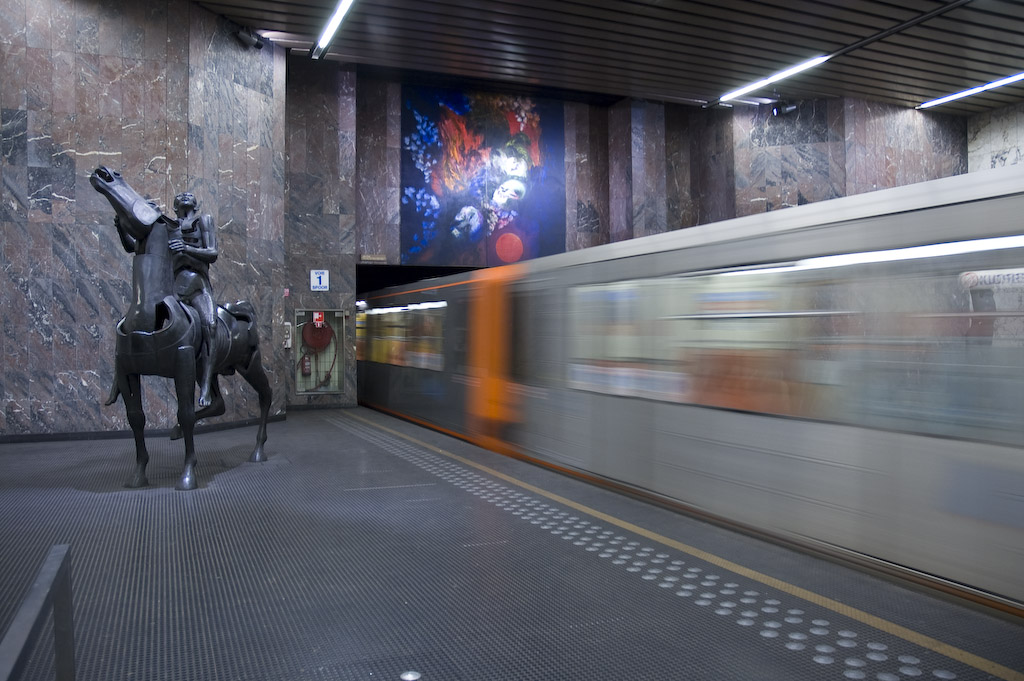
[{"x": 51, "y": 588}]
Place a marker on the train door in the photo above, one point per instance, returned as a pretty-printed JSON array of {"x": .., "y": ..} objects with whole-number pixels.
[{"x": 493, "y": 404}]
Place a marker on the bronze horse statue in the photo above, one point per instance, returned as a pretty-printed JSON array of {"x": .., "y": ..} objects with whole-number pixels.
[{"x": 161, "y": 336}]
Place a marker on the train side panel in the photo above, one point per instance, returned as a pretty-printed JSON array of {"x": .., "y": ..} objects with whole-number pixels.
[
  {"x": 820, "y": 383},
  {"x": 892, "y": 393}
]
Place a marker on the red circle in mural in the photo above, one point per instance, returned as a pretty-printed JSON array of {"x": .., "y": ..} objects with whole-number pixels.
[{"x": 509, "y": 247}]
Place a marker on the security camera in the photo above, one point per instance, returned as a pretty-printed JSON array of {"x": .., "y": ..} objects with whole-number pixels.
[
  {"x": 782, "y": 108},
  {"x": 250, "y": 39}
]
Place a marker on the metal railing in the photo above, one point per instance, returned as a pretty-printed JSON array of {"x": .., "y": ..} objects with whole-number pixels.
[{"x": 52, "y": 588}]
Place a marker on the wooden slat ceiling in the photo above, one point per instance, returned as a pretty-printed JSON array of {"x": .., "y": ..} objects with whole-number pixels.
[{"x": 671, "y": 50}]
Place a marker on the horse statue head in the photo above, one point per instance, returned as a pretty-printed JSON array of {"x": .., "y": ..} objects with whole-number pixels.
[{"x": 136, "y": 214}]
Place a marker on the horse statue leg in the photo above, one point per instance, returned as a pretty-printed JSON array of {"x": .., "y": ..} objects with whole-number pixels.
[
  {"x": 130, "y": 386},
  {"x": 217, "y": 407},
  {"x": 255, "y": 375},
  {"x": 185, "y": 389}
]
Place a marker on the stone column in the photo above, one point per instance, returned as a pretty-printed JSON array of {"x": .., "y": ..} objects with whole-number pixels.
[
  {"x": 320, "y": 203},
  {"x": 586, "y": 176}
]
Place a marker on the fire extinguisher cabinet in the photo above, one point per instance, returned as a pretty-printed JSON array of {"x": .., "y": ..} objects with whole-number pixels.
[{"x": 320, "y": 352}]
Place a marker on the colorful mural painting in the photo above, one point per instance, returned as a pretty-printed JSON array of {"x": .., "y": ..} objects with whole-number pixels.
[{"x": 483, "y": 178}]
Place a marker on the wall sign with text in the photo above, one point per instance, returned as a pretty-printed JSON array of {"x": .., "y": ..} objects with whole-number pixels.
[{"x": 319, "y": 280}]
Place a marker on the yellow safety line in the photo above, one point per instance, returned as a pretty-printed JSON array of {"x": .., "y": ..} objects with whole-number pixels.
[{"x": 970, "y": 659}]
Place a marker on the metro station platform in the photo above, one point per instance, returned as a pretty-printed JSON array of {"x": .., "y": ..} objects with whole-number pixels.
[{"x": 369, "y": 548}]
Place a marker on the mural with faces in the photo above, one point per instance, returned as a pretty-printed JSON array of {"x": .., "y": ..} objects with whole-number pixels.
[{"x": 482, "y": 177}]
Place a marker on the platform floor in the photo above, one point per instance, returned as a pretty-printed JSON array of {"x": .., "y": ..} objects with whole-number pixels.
[{"x": 366, "y": 548}]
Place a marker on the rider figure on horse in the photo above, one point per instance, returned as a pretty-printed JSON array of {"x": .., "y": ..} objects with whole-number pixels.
[{"x": 194, "y": 243}]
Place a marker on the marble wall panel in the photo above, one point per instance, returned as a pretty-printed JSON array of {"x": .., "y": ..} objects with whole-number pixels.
[
  {"x": 679, "y": 203},
  {"x": 134, "y": 90},
  {"x": 38, "y": 27},
  {"x": 889, "y": 146},
  {"x": 378, "y": 158},
  {"x": 14, "y": 201},
  {"x": 783, "y": 161},
  {"x": 112, "y": 83},
  {"x": 62, "y": 24},
  {"x": 308, "y": 235},
  {"x": 586, "y": 175},
  {"x": 38, "y": 79},
  {"x": 321, "y": 204},
  {"x": 14, "y": 138},
  {"x": 343, "y": 197},
  {"x": 233, "y": 99},
  {"x": 713, "y": 171},
  {"x": 750, "y": 180},
  {"x": 620, "y": 171},
  {"x": 13, "y": 93},
  {"x": 569, "y": 117},
  {"x": 996, "y": 139},
  {"x": 64, "y": 81},
  {"x": 593, "y": 213},
  {"x": 13, "y": 22},
  {"x": 649, "y": 169}
]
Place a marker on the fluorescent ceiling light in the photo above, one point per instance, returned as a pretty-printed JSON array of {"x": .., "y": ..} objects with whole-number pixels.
[
  {"x": 332, "y": 27},
  {"x": 771, "y": 79},
  {"x": 973, "y": 91},
  {"x": 913, "y": 252},
  {"x": 775, "y": 269},
  {"x": 891, "y": 255}
]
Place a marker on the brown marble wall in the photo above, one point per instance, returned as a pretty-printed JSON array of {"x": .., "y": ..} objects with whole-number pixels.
[
  {"x": 788, "y": 160},
  {"x": 378, "y": 154},
  {"x": 586, "y": 176},
  {"x": 887, "y": 146},
  {"x": 637, "y": 169},
  {"x": 712, "y": 169},
  {"x": 321, "y": 203},
  {"x": 620, "y": 171},
  {"x": 680, "y": 202},
  {"x": 649, "y": 158},
  {"x": 164, "y": 93},
  {"x": 637, "y": 158},
  {"x": 235, "y": 167},
  {"x": 723, "y": 163}
]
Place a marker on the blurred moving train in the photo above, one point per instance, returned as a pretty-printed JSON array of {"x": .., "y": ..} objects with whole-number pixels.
[{"x": 848, "y": 375}]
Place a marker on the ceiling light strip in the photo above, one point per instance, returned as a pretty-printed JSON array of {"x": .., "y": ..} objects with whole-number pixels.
[
  {"x": 849, "y": 48},
  {"x": 973, "y": 91},
  {"x": 332, "y": 27},
  {"x": 771, "y": 79}
]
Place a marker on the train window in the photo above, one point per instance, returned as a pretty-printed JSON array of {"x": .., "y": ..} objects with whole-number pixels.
[
  {"x": 394, "y": 336},
  {"x": 528, "y": 345},
  {"x": 425, "y": 337},
  {"x": 926, "y": 344},
  {"x": 361, "y": 336},
  {"x": 620, "y": 342},
  {"x": 518, "y": 339},
  {"x": 457, "y": 333},
  {"x": 409, "y": 335}
]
